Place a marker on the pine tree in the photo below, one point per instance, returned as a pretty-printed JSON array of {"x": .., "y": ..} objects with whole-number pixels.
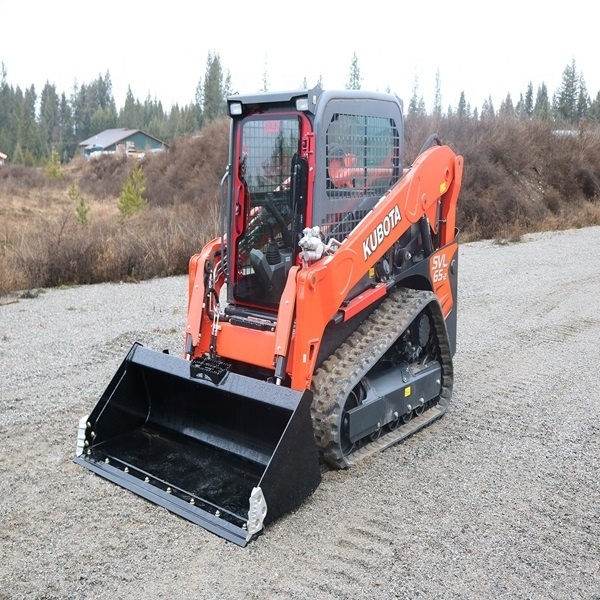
[
  {"x": 67, "y": 141},
  {"x": 227, "y": 89},
  {"x": 173, "y": 120},
  {"x": 81, "y": 206},
  {"x": 131, "y": 199},
  {"x": 354, "y": 78},
  {"x": 567, "y": 95},
  {"x": 152, "y": 111},
  {"x": 17, "y": 157},
  {"x": 487, "y": 109},
  {"x": 49, "y": 118},
  {"x": 583, "y": 100},
  {"x": 157, "y": 126},
  {"x": 416, "y": 105},
  {"x": 542, "y": 109},
  {"x": 27, "y": 123},
  {"x": 6, "y": 101},
  {"x": 520, "y": 108},
  {"x": 437, "y": 98},
  {"x": 188, "y": 123},
  {"x": 81, "y": 112},
  {"x": 594, "y": 112},
  {"x": 529, "y": 100},
  {"x": 461, "y": 110},
  {"x": 214, "y": 100},
  {"x": 413, "y": 103},
  {"x": 53, "y": 168},
  {"x": 103, "y": 118},
  {"x": 507, "y": 109},
  {"x": 131, "y": 114}
]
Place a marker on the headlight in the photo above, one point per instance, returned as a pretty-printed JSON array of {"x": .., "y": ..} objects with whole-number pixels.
[
  {"x": 302, "y": 103},
  {"x": 235, "y": 109}
]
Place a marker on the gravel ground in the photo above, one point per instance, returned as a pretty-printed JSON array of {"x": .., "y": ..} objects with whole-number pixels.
[{"x": 499, "y": 499}]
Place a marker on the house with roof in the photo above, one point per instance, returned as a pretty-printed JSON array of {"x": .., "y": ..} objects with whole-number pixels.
[
  {"x": 132, "y": 142},
  {"x": 3, "y": 158}
]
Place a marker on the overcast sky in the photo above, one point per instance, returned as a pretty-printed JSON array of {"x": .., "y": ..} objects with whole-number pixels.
[{"x": 160, "y": 48}]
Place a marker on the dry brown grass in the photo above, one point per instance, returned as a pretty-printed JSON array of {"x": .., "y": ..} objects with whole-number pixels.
[
  {"x": 59, "y": 250},
  {"x": 43, "y": 243},
  {"x": 519, "y": 178}
]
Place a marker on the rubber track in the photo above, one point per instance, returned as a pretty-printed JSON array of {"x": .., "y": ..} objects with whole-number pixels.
[{"x": 338, "y": 375}]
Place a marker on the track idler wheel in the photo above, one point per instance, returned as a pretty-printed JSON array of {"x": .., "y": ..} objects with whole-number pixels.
[
  {"x": 376, "y": 434},
  {"x": 392, "y": 425}
]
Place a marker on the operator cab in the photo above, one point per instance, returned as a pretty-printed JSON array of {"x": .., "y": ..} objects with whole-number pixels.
[{"x": 302, "y": 159}]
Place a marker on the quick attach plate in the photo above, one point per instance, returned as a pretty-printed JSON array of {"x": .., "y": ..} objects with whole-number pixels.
[{"x": 213, "y": 369}]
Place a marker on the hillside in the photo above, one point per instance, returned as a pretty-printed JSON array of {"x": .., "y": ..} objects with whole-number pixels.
[{"x": 519, "y": 177}]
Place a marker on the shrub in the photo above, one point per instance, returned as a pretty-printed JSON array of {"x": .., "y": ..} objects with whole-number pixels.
[
  {"x": 131, "y": 199},
  {"x": 103, "y": 176},
  {"x": 53, "y": 169},
  {"x": 157, "y": 244},
  {"x": 190, "y": 171}
]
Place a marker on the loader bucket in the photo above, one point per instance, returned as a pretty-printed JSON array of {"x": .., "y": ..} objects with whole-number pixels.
[{"x": 230, "y": 457}]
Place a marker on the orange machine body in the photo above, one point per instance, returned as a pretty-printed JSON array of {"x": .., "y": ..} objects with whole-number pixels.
[{"x": 316, "y": 293}]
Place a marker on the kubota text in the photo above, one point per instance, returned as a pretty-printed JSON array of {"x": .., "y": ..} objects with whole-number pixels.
[{"x": 381, "y": 231}]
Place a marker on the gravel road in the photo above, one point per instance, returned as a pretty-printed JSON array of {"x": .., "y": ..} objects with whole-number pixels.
[{"x": 499, "y": 499}]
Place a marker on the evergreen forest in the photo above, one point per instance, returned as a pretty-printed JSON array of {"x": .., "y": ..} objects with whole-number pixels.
[{"x": 34, "y": 124}]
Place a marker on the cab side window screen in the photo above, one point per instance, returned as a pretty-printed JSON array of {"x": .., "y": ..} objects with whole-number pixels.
[
  {"x": 362, "y": 163},
  {"x": 361, "y": 153}
]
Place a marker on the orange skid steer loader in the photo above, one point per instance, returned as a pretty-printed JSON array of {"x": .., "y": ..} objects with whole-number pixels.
[{"x": 321, "y": 323}]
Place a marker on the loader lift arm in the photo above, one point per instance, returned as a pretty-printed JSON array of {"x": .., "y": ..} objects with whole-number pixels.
[{"x": 323, "y": 287}]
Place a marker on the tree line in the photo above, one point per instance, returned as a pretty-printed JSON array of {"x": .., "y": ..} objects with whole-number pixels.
[
  {"x": 34, "y": 128},
  {"x": 569, "y": 106}
]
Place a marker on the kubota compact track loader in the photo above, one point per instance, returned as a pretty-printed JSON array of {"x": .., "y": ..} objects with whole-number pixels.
[{"x": 321, "y": 323}]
